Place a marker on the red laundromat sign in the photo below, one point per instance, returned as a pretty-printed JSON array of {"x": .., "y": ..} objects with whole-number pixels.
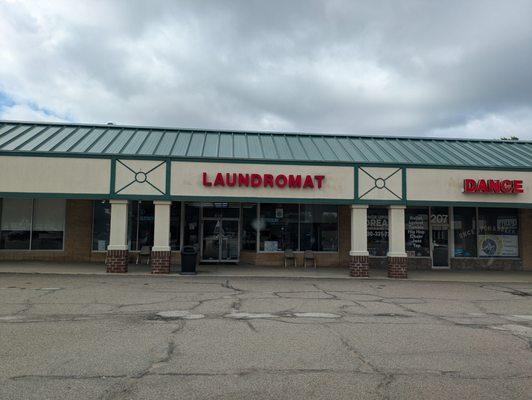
[
  {"x": 281, "y": 181},
  {"x": 493, "y": 186}
]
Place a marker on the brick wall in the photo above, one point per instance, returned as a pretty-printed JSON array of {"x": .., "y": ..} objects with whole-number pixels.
[
  {"x": 248, "y": 256},
  {"x": 419, "y": 263},
  {"x": 413, "y": 263},
  {"x": 486, "y": 264},
  {"x": 472, "y": 264},
  {"x": 78, "y": 230},
  {"x": 378, "y": 263},
  {"x": 277, "y": 259},
  {"x": 425, "y": 263}
]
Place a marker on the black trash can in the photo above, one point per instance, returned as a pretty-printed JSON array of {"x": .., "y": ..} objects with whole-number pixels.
[{"x": 189, "y": 258}]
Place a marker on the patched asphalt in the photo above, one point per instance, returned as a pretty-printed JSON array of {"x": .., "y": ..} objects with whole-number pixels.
[{"x": 142, "y": 337}]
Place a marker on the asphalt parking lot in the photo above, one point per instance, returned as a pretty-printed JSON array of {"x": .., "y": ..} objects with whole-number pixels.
[{"x": 142, "y": 337}]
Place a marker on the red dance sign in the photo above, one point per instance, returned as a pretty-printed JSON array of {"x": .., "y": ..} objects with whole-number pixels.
[
  {"x": 493, "y": 186},
  {"x": 280, "y": 181}
]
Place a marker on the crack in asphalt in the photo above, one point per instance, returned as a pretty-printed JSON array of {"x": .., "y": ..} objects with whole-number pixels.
[
  {"x": 127, "y": 387},
  {"x": 512, "y": 291},
  {"x": 274, "y": 371},
  {"x": 401, "y": 311},
  {"x": 251, "y": 326},
  {"x": 228, "y": 285}
]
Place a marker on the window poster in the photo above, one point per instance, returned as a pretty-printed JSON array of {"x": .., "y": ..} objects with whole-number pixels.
[
  {"x": 377, "y": 232},
  {"x": 271, "y": 245},
  {"x": 498, "y": 245},
  {"x": 417, "y": 233},
  {"x": 498, "y": 234}
]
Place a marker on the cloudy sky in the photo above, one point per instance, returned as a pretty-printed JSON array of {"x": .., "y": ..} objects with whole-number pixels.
[{"x": 432, "y": 68}]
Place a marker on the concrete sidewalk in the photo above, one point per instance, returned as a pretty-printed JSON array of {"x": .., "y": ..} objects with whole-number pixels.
[{"x": 246, "y": 270}]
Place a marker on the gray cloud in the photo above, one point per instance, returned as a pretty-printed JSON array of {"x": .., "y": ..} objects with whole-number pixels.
[{"x": 384, "y": 67}]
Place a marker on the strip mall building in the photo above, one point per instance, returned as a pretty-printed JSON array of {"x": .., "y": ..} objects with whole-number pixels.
[{"x": 72, "y": 192}]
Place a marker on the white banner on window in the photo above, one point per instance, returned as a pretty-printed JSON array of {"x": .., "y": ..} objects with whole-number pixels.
[
  {"x": 271, "y": 245},
  {"x": 49, "y": 215},
  {"x": 498, "y": 245},
  {"x": 16, "y": 214}
]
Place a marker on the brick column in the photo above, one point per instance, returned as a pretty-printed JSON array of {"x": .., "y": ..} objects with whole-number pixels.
[
  {"x": 116, "y": 261},
  {"x": 397, "y": 267},
  {"x": 160, "y": 262},
  {"x": 117, "y": 251},
  {"x": 397, "y": 259},
  {"x": 160, "y": 254},
  {"x": 358, "y": 264}
]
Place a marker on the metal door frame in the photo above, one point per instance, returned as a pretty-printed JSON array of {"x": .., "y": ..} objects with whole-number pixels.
[
  {"x": 220, "y": 220},
  {"x": 448, "y": 226}
]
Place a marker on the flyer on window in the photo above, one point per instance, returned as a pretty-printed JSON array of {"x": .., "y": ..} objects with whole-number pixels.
[{"x": 498, "y": 245}]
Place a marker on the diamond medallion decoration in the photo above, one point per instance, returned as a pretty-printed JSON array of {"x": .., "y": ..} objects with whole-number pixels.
[
  {"x": 140, "y": 177},
  {"x": 376, "y": 183}
]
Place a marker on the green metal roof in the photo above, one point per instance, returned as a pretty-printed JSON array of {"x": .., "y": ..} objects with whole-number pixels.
[{"x": 130, "y": 141}]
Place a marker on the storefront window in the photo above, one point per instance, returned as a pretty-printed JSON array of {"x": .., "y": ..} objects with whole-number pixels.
[
  {"x": 141, "y": 221},
  {"x": 101, "y": 225},
  {"x": 132, "y": 224},
  {"x": 221, "y": 210},
  {"x": 319, "y": 227},
  {"x": 16, "y": 223},
  {"x": 377, "y": 231},
  {"x": 175, "y": 225},
  {"x": 48, "y": 224},
  {"x": 465, "y": 232},
  {"x": 141, "y": 215},
  {"x": 249, "y": 227},
  {"x": 28, "y": 224},
  {"x": 498, "y": 230},
  {"x": 417, "y": 232},
  {"x": 279, "y": 227},
  {"x": 191, "y": 231}
]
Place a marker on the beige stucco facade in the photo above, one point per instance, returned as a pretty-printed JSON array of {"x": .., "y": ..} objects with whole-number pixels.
[
  {"x": 186, "y": 180},
  {"x": 176, "y": 180},
  {"x": 445, "y": 185},
  {"x": 163, "y": 181},
  {"x": 54, "y": 175}
]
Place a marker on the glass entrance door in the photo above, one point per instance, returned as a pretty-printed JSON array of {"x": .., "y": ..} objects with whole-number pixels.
[
  {"x": 440, "y": 246},
  {"x": 229, "y": 241},
  {"x": 439, "y": 234},
  {"x": 211, "y": 240},
  {"x": 220, "y": 235}
]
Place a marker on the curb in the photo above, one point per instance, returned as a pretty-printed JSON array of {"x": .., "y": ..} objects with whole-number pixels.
[{"x": 233, "y": 276}]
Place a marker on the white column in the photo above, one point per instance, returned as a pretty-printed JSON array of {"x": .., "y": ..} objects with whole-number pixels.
[
  {"x": 396, "y": 231},
  {"x": 118, "y": 234},
  {"x": 161, "y": 237},
  {"x": 359, "y": 230}
]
